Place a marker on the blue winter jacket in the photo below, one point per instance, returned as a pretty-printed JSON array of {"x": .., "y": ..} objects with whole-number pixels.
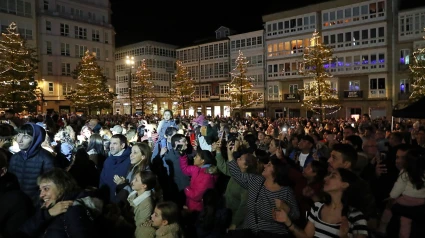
[
  {"x": 114, "y": 165},
  {"x": 28, "y": 164}
]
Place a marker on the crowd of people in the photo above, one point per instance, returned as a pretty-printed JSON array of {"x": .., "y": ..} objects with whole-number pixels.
[{"x": 178, "y": 176}]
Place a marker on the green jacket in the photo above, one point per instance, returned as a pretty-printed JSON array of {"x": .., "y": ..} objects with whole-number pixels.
[{"x": 235, "y": 196}]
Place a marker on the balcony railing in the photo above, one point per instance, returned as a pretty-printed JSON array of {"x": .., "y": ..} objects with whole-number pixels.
[
  {"x": 403, "y": 67},
  {"x": 353, "y": 94},
  {"x": 291, "y": 96},
  {"x": 404, "y": 96}
]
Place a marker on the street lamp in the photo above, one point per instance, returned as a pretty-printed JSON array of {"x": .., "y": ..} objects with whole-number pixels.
[{"x": 129, "y": 61}]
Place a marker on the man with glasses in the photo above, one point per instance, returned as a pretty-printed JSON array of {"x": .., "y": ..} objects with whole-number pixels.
[{"x": 32, "y": 160}]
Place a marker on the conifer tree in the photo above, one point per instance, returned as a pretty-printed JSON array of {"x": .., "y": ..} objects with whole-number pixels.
[
  {"x": 319, "y": 96},
  {"x": 92, "y": 91},
  {"x": 18, "y": 66},
  {"x": 241, "y": 91},
  {"x": 183, "y": 88},
  {"x": 143, "y": 87},
  {"x": 417, "y": 74}
]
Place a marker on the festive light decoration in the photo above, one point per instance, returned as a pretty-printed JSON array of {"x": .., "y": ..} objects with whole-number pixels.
[
  {"x": 183, "y": 89},
  {"x": 241, "y": 94},
  {"x": 92, "y": 91},
  {"x": 417, "y": 74},
  {"x": 319, "y": 96},
  {"x": 18, "y": 65},
  {"x": 143, "y": 94}
]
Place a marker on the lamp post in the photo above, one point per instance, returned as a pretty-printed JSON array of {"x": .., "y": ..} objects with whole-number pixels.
[{"x": 129, "y": 61}]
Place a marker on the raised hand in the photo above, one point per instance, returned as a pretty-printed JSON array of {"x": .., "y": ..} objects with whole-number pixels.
[
  {"x": 280, "y": 216},
  {"x": 281, "y": 205}
]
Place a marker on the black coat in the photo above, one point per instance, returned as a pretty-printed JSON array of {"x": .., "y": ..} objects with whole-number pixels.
[
  {"x": 15, "y": 206},
  {"x": 75, "y": 222}
]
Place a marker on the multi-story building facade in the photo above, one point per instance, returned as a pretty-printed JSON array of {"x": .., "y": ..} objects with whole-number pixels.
[
  {"x": 160, "y": 59},
  {"x": 23, "y": 14},
  {"x": 361, "y": 34},
  {"x": 210, "y": 64},
  {"x": 66, "y": 30},
  {"x": 251, "y": 44},
  {"x": 411, "y": 24}
]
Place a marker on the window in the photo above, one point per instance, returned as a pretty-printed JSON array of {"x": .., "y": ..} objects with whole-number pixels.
[
  {"x": 48, "y": 47},
  {"x": 273, "y": 92},
  {"x": 66, "y": 89},
  {"x": 80, "y": 50},
  {"x": 293, "y": 88},
  {"x": 51, "y": 88},
  {"x": 106, "y": 55},
  {"x": 64, "y": 29},
  {"x": 106, "y": 38},
  {"x": 49, "y": 68},
  {"x": 404, "y": 86},
  {"x": 96, "y": 51},
  {"x": 80, "y": 32},
  {"x": 46, "y": 5},
  {"x": 377, "y": 87},
  {"x": 65, "y": 49},
  {"x": 48, "y": 26},
  {"x": 66, "y": 69},
  {"x": 404, "y": 56},
  {"x": 347, "y": 12},
  {"x": 95, "y": 35},
  {"x": 354, "y": 85}
]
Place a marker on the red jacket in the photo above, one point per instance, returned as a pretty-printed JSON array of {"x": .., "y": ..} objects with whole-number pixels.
[{"x": 200, "y": 181}]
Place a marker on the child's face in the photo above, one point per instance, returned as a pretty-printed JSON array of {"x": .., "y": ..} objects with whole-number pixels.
[
  {"x": 167, "y": 115},
  {"x": 157, "y": 218}
]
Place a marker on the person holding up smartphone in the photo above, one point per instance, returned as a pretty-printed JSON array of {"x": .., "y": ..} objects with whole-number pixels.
[{"x": 178, "y": 181}]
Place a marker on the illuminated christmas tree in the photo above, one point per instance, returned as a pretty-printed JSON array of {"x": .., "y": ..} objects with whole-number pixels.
[
  {"x": 240, "y": 88},
  {"x": 319, "y": 96},
  {"x": 18, "y": 65},
  {"x": 417, "y": 74},
  {"x": 143, "y": 88},
  {"x": 91, "y": 91},
  {"x": 183, "y": 88}
]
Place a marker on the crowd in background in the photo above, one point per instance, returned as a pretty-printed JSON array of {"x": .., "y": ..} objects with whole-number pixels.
[{"x": 177, "y": 176}]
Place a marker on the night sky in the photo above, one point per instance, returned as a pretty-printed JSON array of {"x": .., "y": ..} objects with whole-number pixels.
[{"x": 181, "y": 22}]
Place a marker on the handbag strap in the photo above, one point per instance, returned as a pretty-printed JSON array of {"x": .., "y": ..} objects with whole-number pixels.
[{"x": 255, "y": 202}]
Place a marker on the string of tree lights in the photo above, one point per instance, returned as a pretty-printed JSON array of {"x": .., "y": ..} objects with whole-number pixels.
[
  {"x": 417, "y": 74},
  {"x": 183, "y": 88},
  {"x": 241, "y": 92},
  {"x": 91, "y": 92},
  {"x": 143, "y": 88},
  {"x": 18, "y": 66},
  {"x": 319, "y": 96}
]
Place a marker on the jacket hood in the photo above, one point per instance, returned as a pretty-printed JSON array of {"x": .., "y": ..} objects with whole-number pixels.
[
  {"x": 38, "y": 135},
  {"x": 95, "y": 205}
]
